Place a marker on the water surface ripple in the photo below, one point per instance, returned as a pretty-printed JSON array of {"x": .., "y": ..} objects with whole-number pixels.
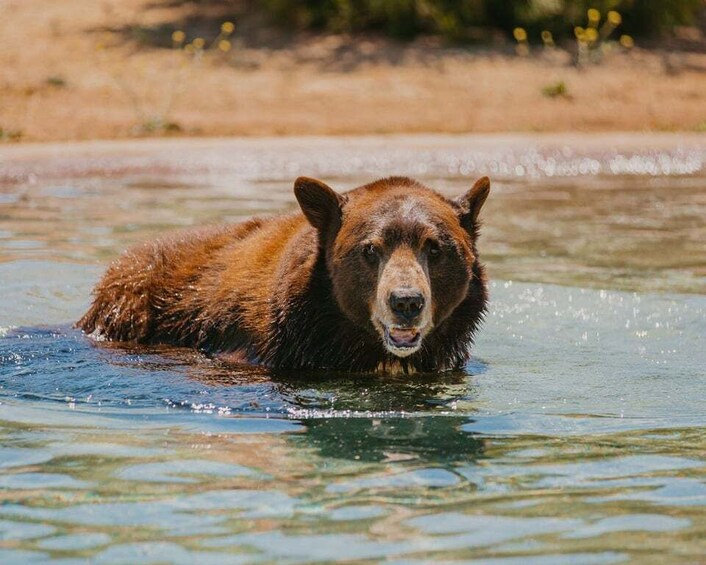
[{"x": 576, "y": 435}]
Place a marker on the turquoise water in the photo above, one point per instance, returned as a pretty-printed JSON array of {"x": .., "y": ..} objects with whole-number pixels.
[{"x": 577, "y": 434}]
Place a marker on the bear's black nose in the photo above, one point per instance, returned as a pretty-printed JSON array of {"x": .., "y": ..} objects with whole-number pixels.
[{"x": 407, "y": 303}]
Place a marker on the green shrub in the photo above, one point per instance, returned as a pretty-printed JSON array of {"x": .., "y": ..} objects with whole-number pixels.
[
  {"x": 461, "y": 20},
  {"x": 555, "y": 90},
  {"x": 402, "y": 19}
]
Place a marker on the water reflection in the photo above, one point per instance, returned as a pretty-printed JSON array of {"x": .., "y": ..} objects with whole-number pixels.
[
  {"x": 423, "y": 440},
  {"x": 381, "y": 488}
]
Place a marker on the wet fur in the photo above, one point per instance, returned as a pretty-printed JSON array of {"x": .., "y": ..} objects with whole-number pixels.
[{"x": 263, "y": 290}]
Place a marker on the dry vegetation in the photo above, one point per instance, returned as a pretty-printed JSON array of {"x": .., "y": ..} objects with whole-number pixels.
[{"x": 57, "y": 83}]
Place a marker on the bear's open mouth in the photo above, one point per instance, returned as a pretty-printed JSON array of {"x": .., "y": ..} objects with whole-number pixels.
[{"x": 402, "y": 341}]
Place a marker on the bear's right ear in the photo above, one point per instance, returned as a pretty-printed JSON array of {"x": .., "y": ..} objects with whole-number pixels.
[
  {"x": 321, "y": 205},
  {"x": 471, "y": 203}
]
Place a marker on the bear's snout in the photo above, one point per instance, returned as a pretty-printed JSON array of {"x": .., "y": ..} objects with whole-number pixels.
[
  {"x": 401, "y": 312},
  {"x": 406, "y": 304}
]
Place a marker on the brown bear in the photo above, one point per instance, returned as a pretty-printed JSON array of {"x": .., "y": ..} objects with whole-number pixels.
[{"x": 385, "y": 277}]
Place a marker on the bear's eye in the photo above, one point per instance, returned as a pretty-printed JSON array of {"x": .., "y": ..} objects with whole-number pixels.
[
  {"x": 433, "y": 250},
  {"x": 370, "y": 253}
]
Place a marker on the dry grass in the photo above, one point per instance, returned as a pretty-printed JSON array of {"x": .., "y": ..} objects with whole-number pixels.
[{"x": 55, "y": 84}]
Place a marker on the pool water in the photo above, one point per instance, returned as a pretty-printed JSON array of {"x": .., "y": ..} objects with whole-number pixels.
[{"x": 577, "y": 433}]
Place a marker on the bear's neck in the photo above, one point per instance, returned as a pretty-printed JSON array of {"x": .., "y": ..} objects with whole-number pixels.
[{"x": 310, "y": 331}]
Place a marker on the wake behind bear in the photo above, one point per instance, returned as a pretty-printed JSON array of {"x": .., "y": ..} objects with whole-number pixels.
[{"x": 385, "y": 277}]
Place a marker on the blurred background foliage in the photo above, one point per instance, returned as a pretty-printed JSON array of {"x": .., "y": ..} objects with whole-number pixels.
[{"x": 479, "y": 20}]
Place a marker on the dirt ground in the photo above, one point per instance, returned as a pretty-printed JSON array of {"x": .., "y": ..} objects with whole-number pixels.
[{"x": 74, "y": 70}]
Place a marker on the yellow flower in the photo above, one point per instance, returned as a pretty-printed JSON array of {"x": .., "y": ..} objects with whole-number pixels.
[
  {"x": 178, "y": 37},
  {"x": 614, "y": 18},
  {"x": 579, "y": 32},
  {"x": 594, "y": 16},
  {"x": 519, "y": 34},
  {"x": 547, "y": 37},
  {"x": 591, "y": 34},
  {"x": 199, "y": 43},
  {"x": 227, "y": 27},
  {"x": 627, "y": 41},
  {"x": 224, "y": 45},
  {"x": 189, "y": 49}
]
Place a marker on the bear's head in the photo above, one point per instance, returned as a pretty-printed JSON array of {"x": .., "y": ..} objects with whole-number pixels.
[{"x": 400, "y": 256}]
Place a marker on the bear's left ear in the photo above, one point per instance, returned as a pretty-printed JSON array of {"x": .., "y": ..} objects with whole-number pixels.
[
  {"x": 471, "y": 203},
  {"x": 322, "y": 205}
]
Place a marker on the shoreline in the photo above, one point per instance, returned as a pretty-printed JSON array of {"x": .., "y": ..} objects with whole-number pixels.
[{"x": 623, "y": 139}]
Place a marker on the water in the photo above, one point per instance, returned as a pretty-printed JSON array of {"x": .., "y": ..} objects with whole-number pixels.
[{"x": 576, "y": 435}]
